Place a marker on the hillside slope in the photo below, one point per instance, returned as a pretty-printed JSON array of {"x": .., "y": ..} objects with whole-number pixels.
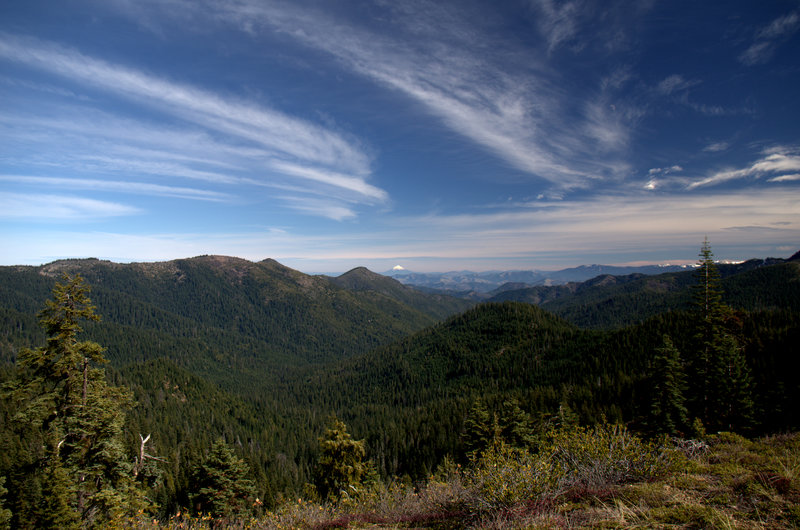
[
  {"x": 212, "y": 313},
  {"x": 362, "y": 280},
  {"x": 420, "y": 388},
  {"x": 612, "y": 301}
]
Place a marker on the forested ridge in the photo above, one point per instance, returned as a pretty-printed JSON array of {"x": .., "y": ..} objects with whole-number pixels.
[
  {"x": 614, "y": 301},
  {"x": 262, "y": 357}
]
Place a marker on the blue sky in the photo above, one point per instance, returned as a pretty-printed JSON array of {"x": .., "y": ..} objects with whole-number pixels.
[{"x": 529, "y": 134}]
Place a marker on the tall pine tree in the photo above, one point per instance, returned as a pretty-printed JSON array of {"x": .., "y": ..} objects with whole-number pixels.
[
  {"x": 73, "y": 469},
  {"x": 721, "y": 378}
]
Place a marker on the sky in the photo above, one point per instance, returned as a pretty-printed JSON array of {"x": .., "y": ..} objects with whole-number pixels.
[{"x": 434, "y": 135}]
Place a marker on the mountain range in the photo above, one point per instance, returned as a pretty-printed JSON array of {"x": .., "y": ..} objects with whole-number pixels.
[
  {"x": 480, "y": 285},
  {"x": 264, "y": 355}
]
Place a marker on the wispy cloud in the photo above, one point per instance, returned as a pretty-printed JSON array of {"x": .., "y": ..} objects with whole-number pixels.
[
  {"x": 48, "y": 207},
  {"x": 141, "y": 188},
  {"x": 578, "y": 24},
  {"x": 278, "y": 132},
  {"x": 674, "y": 83},
  {"x": 332, "y": 178},
  {"x": 775, "y": 160},
  {"x": 504, "y": 98},
  {"x": 307, "y": 150},
  {"x": 716, "y": 147},
  {"x": 321, "y": 207},
  {"x": 785, "y": 178},
  {"x": 769, "y": 37},
  {"x": 678, "y": 89},
  {"x": 557, "y": 22},
  {"x": 607, "y": 222},
  {"x": 660, "y": 176}
]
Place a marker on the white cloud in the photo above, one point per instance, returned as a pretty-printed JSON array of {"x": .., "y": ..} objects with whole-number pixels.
[
  {"x": 319, "y": 207},
  {"x": 332, "y": 178},
  {"x": 759, "y": 52},
  {"x": 785, "y": 25},
  {"x": 769, "y": 38},
  {"x": 781, "y": 161},
  {"x": 674, "y": 83},
  {"x": 48, "y": 207},
  {"x": 461, "y": 76},
  {"x": 665, "y": 170},
  {"x": 308, "y": 149},
  {"x": 614, "y": 221},
  {"x": 576, "y": 25},
  {"x": 139, "y": 166},
  {"x": 558, "y": 24},
  {"x": 785, "y": 178},
  {"x": 661, "y": 173},
  {"x": 117, "y": 186},
  {"x": 716, "y": 147}
]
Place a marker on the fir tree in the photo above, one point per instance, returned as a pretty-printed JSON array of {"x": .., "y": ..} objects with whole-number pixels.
[
  {"x": 72, "y": 419},
  {"x": 222, "y": 487},
  {"x": 516, "y": 426},
  {"x": 341, "y": 464},
  {"x": 481, "y": 429},
  {"x": 711, "y": 312},
  {"x": 731, "y": 402},
  {"x": 668, "y": 407},
  {"x": 722, "y": 378},
  {"x": 57, "y": 493}
]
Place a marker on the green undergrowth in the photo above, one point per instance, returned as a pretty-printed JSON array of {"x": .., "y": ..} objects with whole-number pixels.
[{"x": 601, "y": 477}]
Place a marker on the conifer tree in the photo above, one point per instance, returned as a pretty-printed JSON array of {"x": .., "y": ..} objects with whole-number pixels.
[
  {"x": 711, "y": 312},
  {"x": 731, "y": 404},
  {"x": 222, "y": 487},
  {"x": 516, "y": 426},
  {"x": 481, "y": 429},
  {"x": 341, "y": 464},
  {"x": 721, "y": 376},
  {"x": 72, "y": 420},
  {"x": 564, "y": 417},
  {"x": 668, "y": 407},
  {"x": 57, "y": 492}
]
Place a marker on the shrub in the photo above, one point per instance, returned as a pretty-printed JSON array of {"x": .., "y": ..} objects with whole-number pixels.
[
  {"x": 604, "y": 455},
  {"x": 571, "y": 457},
  {"x": 505, "y": 476}
]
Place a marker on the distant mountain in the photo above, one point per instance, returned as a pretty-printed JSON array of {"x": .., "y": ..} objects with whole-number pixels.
[
  {"x": 211, "y": 305},
  {"x": 609, "y": 301},
  {"x": 361, "y": 279},
  {"x": 477, "y": 285}
]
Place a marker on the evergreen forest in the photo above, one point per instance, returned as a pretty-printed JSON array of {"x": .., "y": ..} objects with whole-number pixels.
[{"x": 216, "y": 391}]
